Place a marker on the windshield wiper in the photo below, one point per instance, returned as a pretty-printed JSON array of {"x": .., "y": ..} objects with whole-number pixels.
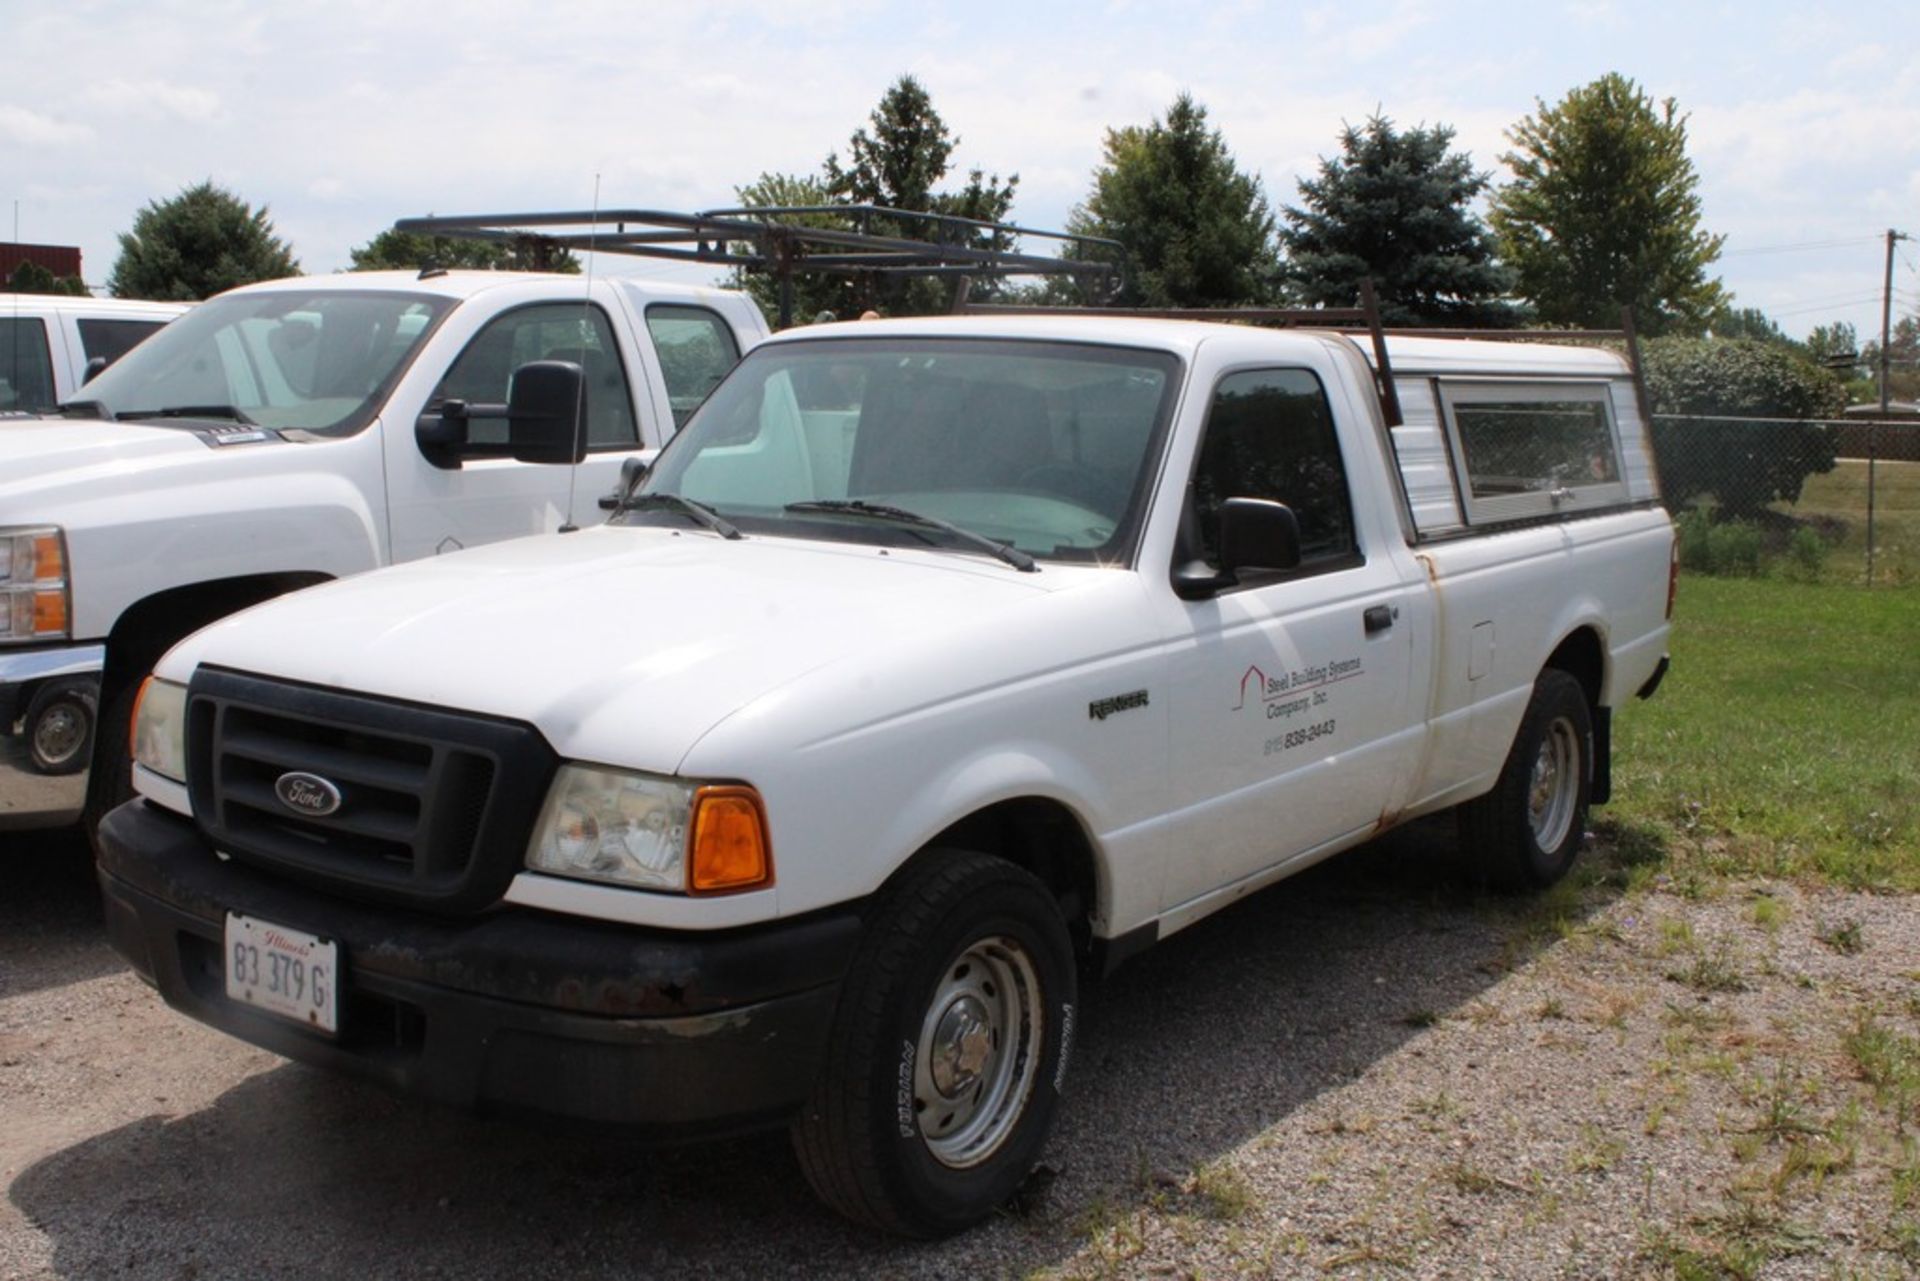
[
  {"x": 189, "y": 411},
  {"x": 700, "y": 512},
  {"x": 900, "y": 515}
]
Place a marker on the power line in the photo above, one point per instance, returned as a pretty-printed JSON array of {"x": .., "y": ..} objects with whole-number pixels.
[
  {"x": 1828, "y": 306},
  {"x": 1796, "y": 247}
]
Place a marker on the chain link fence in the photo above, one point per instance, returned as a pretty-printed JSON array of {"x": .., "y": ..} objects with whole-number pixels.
[{"x": 1819, "y": 500}]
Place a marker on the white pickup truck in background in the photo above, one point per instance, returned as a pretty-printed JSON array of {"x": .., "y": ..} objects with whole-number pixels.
[
  {"x": 50, "y": 344},
  {"x": 931, "y": 659},
  {"x": 292, "y": 432}
]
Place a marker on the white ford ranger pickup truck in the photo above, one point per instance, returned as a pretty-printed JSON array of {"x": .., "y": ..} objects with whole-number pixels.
[
  {"x": 292, "y": 432},
  {"x": 931, "y": 659}
]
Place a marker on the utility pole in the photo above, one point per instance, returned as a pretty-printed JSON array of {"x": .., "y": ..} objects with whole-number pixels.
[
  {"x": 1886, "y": 315},
  {"x": 1873, "y": 432}
]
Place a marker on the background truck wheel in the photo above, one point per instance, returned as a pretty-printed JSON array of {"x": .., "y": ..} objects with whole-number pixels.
[
  {"x": 1526, "y": 832},
  {"x": 60, "y": 724},
  {"x": 947, "y": 1049}
]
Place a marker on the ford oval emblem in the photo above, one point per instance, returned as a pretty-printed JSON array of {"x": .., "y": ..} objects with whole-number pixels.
[{"x": 308, "y": 794}]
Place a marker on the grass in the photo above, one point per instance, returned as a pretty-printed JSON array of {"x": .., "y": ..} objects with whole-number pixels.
[
  {"x": 1785, "y": 741},
  {"x": 1837, "y": 503}
]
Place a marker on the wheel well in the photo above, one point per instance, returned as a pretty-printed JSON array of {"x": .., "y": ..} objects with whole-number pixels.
[
  {"x": 1581, "y": 657},
  {"x": 148, "y": 627},
  {"x": 1044, "y": 837}
]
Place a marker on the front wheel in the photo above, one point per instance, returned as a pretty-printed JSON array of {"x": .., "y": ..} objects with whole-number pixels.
[
  {"x": 1526, "y": 832},
  {"x": 59, "y": 726},
  {"x": 947, "y": 1051}
]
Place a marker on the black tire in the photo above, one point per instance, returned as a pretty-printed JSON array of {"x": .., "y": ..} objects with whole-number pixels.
[
  {"x": 1527, "y": 831},
  {"x": 931, "y": 1108},
  {"x": 60, "y": 722}
]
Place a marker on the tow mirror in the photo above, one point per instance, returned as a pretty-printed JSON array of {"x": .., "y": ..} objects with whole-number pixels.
[{"x": 547, "y": 413}]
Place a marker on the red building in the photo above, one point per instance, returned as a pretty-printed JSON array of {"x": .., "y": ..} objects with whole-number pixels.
[{"x": 61, "y": 260}]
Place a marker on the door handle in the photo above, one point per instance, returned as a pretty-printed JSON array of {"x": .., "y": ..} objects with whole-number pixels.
[{"x": 1379, "y": 617}]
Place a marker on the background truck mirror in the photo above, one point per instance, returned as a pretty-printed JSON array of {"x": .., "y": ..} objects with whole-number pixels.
[{"x": 547, "y": 413}]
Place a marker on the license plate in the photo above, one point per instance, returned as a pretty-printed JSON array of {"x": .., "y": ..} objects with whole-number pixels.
[{"x": 283, "y": 971}]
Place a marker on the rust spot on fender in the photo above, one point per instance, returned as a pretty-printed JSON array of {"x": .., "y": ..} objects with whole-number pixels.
[{"x": 1426, "y": 563}]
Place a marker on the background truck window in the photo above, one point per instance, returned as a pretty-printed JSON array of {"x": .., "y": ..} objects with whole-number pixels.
[
  {"x": 109, "y": 340},
  {"x": 1270, "y": 434},
  {"x": 26, "y": 371},
  {"x": 696, "y": 349},
  {"x": 547, "y": 331}
]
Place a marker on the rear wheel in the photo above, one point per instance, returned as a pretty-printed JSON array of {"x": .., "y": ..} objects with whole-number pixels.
[
  {"x": 60, "y": 725},
  {"x": 947, "y": 1051},
  {"x": 1527, "y": 831}
]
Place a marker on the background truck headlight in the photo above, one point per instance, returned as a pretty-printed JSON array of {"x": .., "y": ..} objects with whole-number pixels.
[
  {"x": 34, "y": 594},
  {"x": 651, "y": 832}
]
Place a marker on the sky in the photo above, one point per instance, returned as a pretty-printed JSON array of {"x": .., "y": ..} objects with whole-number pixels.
[{"x": 342, "y": 115}]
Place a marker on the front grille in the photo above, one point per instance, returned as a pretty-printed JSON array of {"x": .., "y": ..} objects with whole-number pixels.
[{"x": 435, "y": 807}]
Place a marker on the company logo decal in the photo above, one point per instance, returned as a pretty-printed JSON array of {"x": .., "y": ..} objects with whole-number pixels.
[
  {"x": 1295, "y": 690},
  {"x": 307, "y": 794}
]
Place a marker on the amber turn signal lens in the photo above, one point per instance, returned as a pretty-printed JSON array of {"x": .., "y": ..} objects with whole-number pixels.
[
  {"x": 50, "y": 613},
  {"x": 49, "y": 565},
  {"x": 730, "y": 849}
]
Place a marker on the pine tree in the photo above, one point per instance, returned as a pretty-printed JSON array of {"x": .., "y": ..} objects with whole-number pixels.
[
  {"x": 197, "y": 244},
  {"x": 1196, "y": 232},
  {"x": 1604, "y": 211},
  {"x": 1396, "y": 207}
]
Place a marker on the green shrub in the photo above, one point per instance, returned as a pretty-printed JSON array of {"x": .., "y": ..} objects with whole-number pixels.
[
  {"x": 1733, "y": 549},
  {"x": 1691, "y": 532},
  {"x": 1806, "y": 556}
]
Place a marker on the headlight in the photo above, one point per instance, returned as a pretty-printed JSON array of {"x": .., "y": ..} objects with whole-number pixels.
[
  {"x": 160, "y": 728},
  {"x": 33, "y": 585},
  {"x": 651, "y": 832}
]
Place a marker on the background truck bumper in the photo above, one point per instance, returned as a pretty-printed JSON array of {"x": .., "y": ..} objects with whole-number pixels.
[
  {"x": 666, "y": 1033},
  {"x": 29, "y": 798}
]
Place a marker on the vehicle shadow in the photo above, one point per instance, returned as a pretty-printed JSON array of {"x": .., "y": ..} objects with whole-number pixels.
[
  {"x": 50, "y": 924},
  {"x": 1185, "y": 1053}
]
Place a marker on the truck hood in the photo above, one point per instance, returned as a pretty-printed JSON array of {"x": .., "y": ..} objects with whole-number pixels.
[
  {"x": 623, "y": 645},
  {"x": 33, "y": 450}
]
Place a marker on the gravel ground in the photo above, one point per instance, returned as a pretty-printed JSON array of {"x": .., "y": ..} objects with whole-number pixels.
[{"x": 1367, "y": 1071}]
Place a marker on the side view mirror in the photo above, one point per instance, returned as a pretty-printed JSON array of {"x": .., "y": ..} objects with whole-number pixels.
[
  {"x": 632, "y": 472},
  {"x": 546, "y": 415},
  {"x": 1255, "y": 535},
  {"x": 92, "y": 371}
]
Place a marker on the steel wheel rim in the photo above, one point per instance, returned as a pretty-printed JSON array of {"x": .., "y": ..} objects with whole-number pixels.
[
  {"x": 1555, "y": 788},
  {"x": 978, "y": 1051},
  {"x": 58, "y": 734}
]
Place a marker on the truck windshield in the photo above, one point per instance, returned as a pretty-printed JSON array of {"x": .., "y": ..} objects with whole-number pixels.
[
  {"x": 317, "y": 360},
  {"x": 1045, "y": 447}
]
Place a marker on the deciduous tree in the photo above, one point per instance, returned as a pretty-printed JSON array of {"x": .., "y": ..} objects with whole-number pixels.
[
  {"x": 410, "y": 251},
  {"x": 1396, "y": 207},
  {"x": 1604, "y": 211},
  {"x": 196, "y": 244}
]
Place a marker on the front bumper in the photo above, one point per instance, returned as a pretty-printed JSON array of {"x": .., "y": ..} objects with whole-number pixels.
[
  {"x": 666, "y": 1033},
  {"x": 29, "y": 798}
]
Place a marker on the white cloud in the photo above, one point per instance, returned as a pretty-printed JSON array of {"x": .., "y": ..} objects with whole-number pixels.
[
  {"x": 183, "y": 102},
  {"x": 31, "y": 129}
]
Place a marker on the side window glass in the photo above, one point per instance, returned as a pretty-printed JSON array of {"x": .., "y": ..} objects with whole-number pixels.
[
  {"x": 696, "y": 348},
  {"x": 1270, "y": 434},
  {"x": 109, "y": 340},
  {"x": 1528, "y": 451},
  {"x": 483, "y": 374},
  {"x": 26, "y": 370}
]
